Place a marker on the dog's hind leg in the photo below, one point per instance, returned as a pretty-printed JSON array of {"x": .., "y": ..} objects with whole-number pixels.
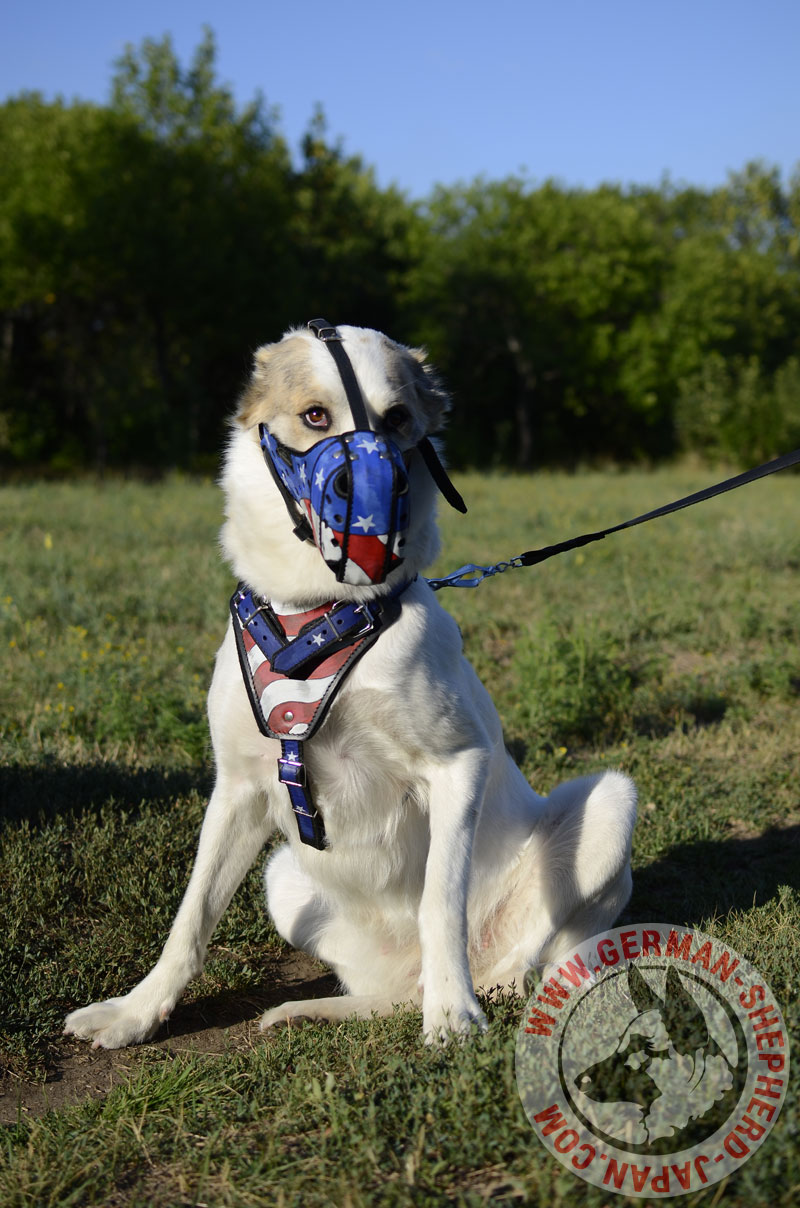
[
  {"x": 332, "y": 1010},
  {"x": 378, "y": 971},
  {"x": 574, "y": 877},
  {"x": 591, "y": 849},
  {"x": 299, "y": 911}
]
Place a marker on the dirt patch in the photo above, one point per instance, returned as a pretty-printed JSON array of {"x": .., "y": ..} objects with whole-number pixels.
[{"x": 221, "y": 1024}]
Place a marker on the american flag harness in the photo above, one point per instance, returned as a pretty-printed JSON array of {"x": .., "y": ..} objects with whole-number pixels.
[{"x": 293, "y": 665}]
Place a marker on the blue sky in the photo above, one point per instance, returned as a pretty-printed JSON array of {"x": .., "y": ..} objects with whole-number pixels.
[{"x": 581, "y": 90}]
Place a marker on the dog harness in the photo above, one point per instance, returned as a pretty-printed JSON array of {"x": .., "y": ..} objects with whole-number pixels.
[{"x": 293, "y": 665}]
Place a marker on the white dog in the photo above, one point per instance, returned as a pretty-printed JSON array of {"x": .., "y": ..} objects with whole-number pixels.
[{"x": 418, "y": 863}]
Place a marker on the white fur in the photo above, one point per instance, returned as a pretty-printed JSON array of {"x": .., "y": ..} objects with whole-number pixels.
[{"x": 445, "y": 871}]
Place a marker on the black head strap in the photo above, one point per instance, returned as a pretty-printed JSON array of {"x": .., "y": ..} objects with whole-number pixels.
[
  {"x": 330, "y": 336},
  {"x": 323, "y": 330}
]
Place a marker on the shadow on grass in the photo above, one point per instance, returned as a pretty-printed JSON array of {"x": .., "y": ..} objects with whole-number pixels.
[
  {"x": 214, "y": 1024},
  {"x": 48, "y": 790},
  {"x": 229, "y": 1008},
  {"x": 710, "y": 877}
]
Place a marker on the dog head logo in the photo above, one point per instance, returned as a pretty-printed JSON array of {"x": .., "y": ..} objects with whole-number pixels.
[
  {"x": 652, "y": 1060},
  {"x": 667, "y": 1062}
]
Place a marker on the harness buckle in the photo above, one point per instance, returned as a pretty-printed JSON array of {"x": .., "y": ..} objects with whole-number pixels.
[
  {"x": 245, "y": 612},
  {"x": 370, "y": 618},
  {"x": 292, "y": 772}
]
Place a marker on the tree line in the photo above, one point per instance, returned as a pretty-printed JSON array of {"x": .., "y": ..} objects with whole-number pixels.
[{"x": 149, "y": 245}]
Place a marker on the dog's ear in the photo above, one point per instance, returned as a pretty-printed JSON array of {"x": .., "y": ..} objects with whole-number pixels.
[
  {"x": 685, "y": 1019},
  {"x": 433, "y": 396},
  {"x": 281, "y": 376},
  {"x": 644, "y": 999},
  {"x": 253, "y": 402}
]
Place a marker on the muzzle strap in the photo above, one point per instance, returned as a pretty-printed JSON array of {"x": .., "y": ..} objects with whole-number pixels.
[
  {"x": 329, "y": 334},
  {"x": 440, "y": 476},
  {"x": 330, "y": 337}
]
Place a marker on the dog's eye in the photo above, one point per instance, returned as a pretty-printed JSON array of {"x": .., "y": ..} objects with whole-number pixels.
[
  {"x": 316, "y": 417},
  {"x": 397, "y": 419}
]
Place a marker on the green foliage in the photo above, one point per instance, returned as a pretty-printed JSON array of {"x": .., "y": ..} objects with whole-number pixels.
[
  {"x": 99, "y": 602},
  {"x": 578, "y": 688},
  {"x": 566, "y": 319},
  {"x": 121, "y": 280},
  {"x": 172, "y": 237},
  {"x": 733, "y": 411},
  {"x": 531, "y": 296},
  {"x": 149, "y": 245},
  {"x": 351, "y": 238},
  {"x": 178, "y": 107}
]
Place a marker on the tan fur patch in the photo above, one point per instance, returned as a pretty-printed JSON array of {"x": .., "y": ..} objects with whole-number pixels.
[
  {"x": 284, "y": 383},
  {"x": 283, "y": 379}
]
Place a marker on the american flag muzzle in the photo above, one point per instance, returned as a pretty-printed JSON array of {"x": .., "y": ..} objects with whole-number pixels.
[{"x": 353, "y": 490}]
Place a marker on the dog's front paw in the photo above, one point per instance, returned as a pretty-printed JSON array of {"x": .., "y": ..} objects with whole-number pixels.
[
  {"x": 442, "y": 1022},
  {"x": 116, "y": 1022}
]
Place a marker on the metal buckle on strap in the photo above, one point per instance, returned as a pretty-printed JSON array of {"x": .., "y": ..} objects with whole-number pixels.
[
  {"x": 346, "y": 631},
  {"x": 292, "y": 771},
  {"x": 250, "y": 612},
  {"x": 333, "y": 629},
  {"x": 323, "y": 331},
  {"x": 370, "y": 618}
]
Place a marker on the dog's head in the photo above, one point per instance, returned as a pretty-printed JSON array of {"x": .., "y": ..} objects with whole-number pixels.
[
  {"x": 665, "y": 1056},
  {"x": 294, "y": 402}
]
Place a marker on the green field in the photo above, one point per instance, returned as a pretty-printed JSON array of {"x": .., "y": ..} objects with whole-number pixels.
[{"x": 671, "y": 651}]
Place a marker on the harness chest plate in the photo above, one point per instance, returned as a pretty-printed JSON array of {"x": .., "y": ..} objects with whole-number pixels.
[{"x": 293, "y": 665}]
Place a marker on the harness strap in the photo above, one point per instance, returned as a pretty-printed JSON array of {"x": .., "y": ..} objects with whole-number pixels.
[
  {"x": 260, "y": 622},
  {"x": 292, "y": 772},
  {"x": 317, "y": 640},
  {"x": 472, "y": 575}
]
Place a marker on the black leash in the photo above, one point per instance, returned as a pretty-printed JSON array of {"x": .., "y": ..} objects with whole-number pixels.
[{"x": 471, "y": 575}]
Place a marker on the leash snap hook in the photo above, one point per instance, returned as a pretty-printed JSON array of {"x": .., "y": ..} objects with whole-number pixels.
[{"x": 472, "y": 575}]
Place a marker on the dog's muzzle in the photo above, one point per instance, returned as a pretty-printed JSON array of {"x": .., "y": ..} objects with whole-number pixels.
[
  {"x": 349, "y": 494},
  {"x": 353, "y": 494}
]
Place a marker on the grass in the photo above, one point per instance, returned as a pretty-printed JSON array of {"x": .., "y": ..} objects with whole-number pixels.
[{"x": 672, "y": 651}]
